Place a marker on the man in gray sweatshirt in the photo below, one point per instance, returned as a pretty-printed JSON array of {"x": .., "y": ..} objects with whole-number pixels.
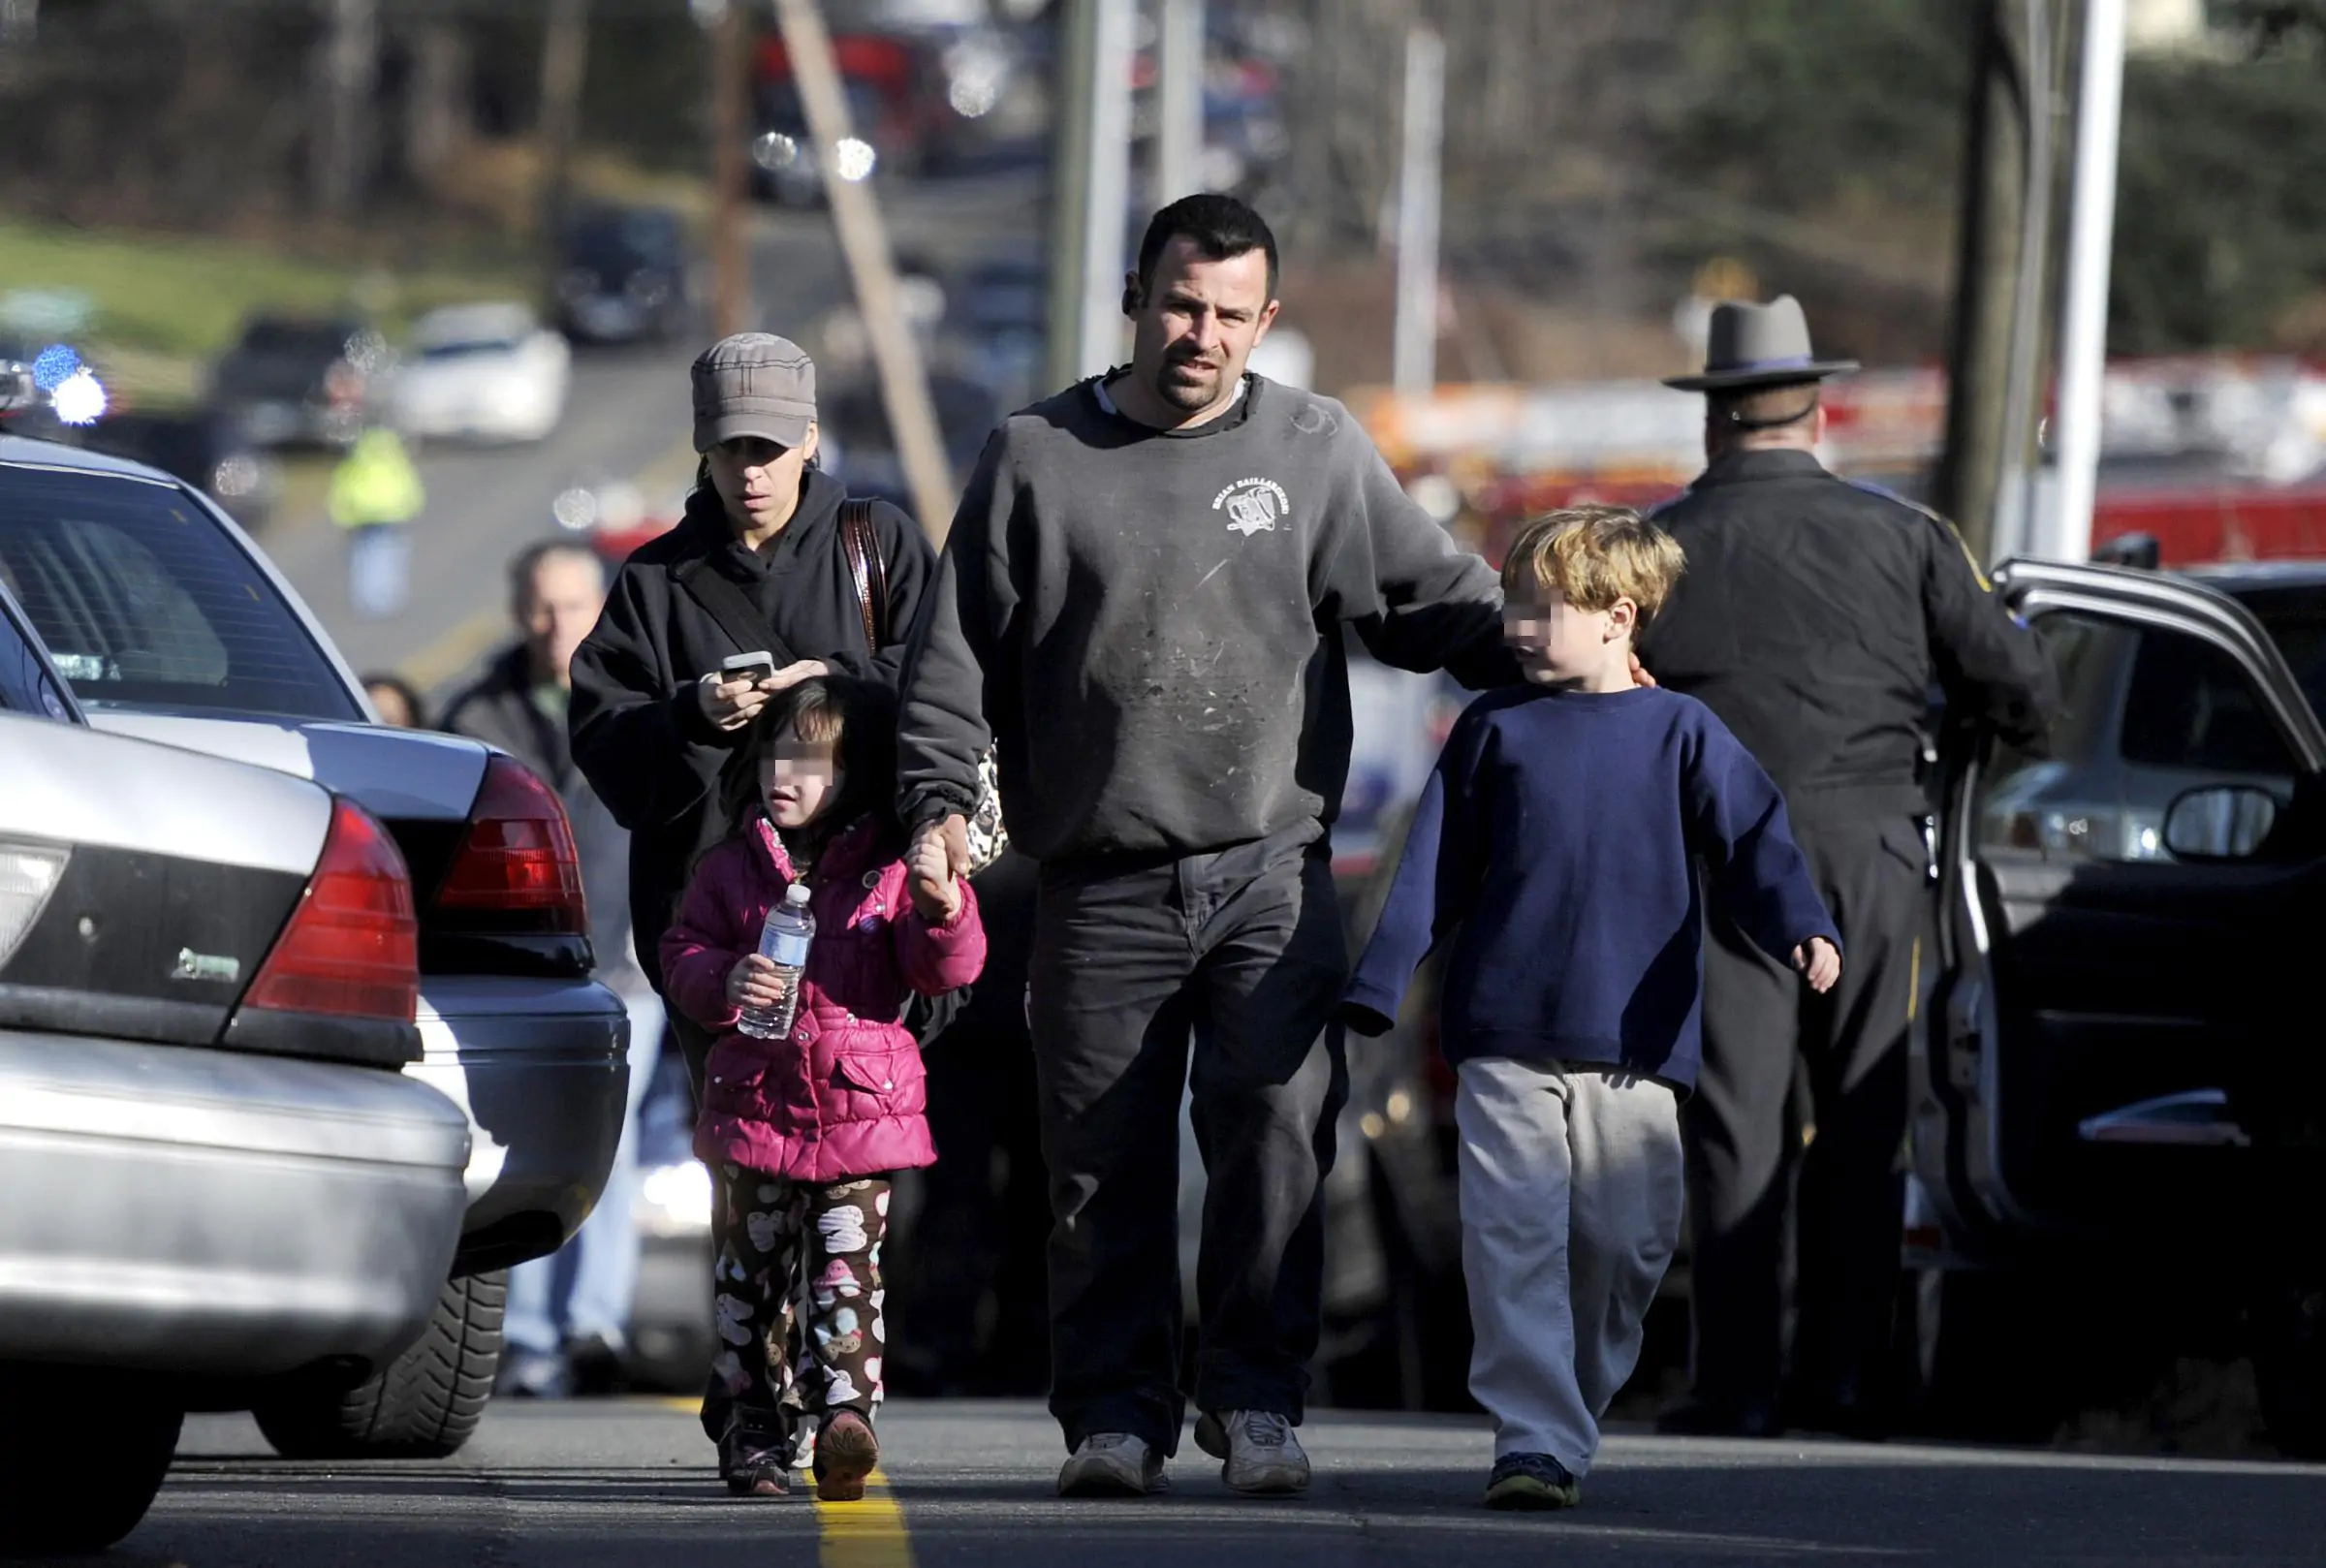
[{"x": 1141, "y": 607}]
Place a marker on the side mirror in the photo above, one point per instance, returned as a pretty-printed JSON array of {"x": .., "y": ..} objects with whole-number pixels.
[{"x": 2219, "y": 822}]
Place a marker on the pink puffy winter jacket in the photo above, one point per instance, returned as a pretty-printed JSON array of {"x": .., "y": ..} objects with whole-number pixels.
[{"x": 845, "y": 1095}]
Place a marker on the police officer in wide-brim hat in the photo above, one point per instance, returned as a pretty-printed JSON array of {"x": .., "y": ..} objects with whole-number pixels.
[{"x": 1814, "y": 616}]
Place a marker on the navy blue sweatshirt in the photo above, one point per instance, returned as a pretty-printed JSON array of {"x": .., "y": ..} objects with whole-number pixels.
[{"x": 1556, "y": 840}]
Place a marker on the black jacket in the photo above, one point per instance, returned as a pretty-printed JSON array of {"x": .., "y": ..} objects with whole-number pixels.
[
  {"x": 1813, "y": 618},
  {"x": 499, "y": 711},
  {"x": 638, "y": 727}
]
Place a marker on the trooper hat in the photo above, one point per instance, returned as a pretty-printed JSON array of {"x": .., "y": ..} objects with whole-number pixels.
[
  {"x": 754, "y": 384},
  {"x": 1751, "y": 345}
]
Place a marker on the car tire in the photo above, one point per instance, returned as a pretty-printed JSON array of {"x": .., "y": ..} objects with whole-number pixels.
[
  {"x": 422, "y": 1405},
  {"x": 82, "y": 1456},
  {"x": 2289, "y": 1366}
]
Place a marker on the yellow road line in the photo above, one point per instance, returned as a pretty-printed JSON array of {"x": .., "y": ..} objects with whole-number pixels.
[{"x": 870, "y": 1534}]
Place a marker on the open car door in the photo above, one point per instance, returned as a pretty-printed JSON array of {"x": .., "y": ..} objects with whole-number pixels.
[{"x": 2124, "y": 1038}]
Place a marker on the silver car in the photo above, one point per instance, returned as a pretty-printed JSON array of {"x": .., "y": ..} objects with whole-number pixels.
[
  {"x": 169, "y": 625},
  {"x": 218, "y": 1184}
]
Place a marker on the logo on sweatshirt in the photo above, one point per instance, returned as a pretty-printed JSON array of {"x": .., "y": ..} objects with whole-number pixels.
[{"x": 1253, "y": 505}]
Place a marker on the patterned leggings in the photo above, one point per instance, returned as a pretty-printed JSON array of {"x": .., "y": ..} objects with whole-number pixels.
[{"x": 791, "y": 1252}]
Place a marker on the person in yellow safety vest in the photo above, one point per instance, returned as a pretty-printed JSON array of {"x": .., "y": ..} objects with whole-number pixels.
[{"x": 375, "y": 495}]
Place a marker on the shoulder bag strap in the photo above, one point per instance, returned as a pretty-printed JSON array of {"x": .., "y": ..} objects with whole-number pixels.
[
  {"x": 738, "y": 616},
  {"x": 871, "y": 573}
]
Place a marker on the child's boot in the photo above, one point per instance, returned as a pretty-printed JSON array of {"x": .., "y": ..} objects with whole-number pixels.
[
  {"x": 847, "y": 1451},
  {"x": 752, "y": 1457}
]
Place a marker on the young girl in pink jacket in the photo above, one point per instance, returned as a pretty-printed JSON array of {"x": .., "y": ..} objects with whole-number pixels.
[{"x": 808, "y": 1130}]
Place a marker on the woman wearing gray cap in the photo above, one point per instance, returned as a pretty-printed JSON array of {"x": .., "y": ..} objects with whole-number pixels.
[{"x": 772, "y": 577}]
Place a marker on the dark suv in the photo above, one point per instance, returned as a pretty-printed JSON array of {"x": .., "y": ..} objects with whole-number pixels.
[
  {"x": 301, "y": 381},
  {"x": 2119, "y": 1092}
]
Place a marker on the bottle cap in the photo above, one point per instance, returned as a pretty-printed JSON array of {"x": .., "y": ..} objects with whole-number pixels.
[{"x": 796, "y": 894}]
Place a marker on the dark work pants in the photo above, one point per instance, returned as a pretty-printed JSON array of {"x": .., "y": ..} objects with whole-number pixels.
[
  {"x": 1745, "y": 1149},
  {"x": 1244, "y": 948}
]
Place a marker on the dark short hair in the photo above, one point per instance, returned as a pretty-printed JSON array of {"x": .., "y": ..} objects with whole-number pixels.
[
  {"x": 1218, "y": 226},
  {"x": 1765, "y": 408},
  {"x": 525, "y": 564},
  {"x": 387, "y": 680},
  {"x": 858, "y": 719}
]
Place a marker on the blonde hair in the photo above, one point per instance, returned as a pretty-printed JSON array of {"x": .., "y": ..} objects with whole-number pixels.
[{"x": 1594, "y": 556}]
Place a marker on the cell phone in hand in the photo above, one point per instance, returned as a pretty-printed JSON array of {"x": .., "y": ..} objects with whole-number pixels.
[{"x": 752, "y": 666}]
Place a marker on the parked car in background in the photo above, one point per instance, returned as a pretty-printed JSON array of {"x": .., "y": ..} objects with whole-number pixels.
[
  {"x": 301, "y": 381},
  {"x": 2115, "y": 1097},
  {"x": 167, "y": 624},
  {"x": 997, "y": 313},
  {"x": 622, "y": 276},
  {"x": 485, "y": 372},
  {"x": 208, "y": 449},
  {"x": 784, "y": 165},
  {"x": 862, "y": 452},
  {"x": 219, "y": 1184}
]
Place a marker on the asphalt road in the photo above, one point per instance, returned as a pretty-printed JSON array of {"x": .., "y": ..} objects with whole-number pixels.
[
  {"x": 627, "y": 414},
  {"x": 630, "y": 1485}
]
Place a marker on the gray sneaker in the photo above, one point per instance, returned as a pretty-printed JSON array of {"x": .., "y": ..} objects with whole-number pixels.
[
  {"x": 1112, "y": 1464},
  {"x": 1263, "y": 1458}
]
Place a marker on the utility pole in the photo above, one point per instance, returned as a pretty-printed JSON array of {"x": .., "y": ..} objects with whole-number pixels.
[
  {"x": 349, "y": 59},
  {"x": 2065, "y": 533},
  {"x": 564, "y": 58},
  {"x": 1179, "y": 101},
  {"x": 2006, "y": 188},
  {"x": 1089, "y": 189},
  {"x": 730, "y": 72},
  {"x": 864, "y": 245},
  {"x": 1415, "y": 357},
  {"x": 1069, "y": 163}
]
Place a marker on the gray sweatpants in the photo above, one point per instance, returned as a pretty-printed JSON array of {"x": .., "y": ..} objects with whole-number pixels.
[{"x": 1571, "y": 1196}]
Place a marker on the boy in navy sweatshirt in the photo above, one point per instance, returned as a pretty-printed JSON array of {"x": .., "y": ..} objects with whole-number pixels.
[{"x": 1557, "y": 844}]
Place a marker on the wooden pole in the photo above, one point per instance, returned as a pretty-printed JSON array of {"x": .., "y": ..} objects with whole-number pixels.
[
  {"x": 871, "y": 269},
  {"x": 564, "y": 57},
  {"x": 1993, "y": 312},
  {"x": 730, "y": 261}
]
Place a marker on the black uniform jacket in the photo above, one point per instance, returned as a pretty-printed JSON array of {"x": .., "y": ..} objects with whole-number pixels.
[
  {"x": 638, "y": 727},
  {"x": 1814, "y": 616}
]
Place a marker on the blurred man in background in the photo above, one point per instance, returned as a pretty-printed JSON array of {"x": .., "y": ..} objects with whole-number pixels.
[{"x": 569, "y": 1314}]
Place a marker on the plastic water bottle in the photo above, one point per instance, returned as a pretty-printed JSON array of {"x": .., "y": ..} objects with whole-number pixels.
[{"x": 784, "y": 939}]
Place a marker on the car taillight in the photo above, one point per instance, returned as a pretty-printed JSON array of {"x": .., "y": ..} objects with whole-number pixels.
[
  {"x": 352, "y": 946},
  {"x": 517, "y": 868}
]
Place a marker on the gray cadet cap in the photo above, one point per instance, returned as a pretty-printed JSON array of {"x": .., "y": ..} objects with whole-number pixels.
[{"x": 754, "y": 384}]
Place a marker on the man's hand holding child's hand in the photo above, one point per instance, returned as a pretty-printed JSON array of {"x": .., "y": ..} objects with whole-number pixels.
[
  {"x": 1820, "y": 964},
  {"x": 751, "y": 983},
  {"x": 929, "y": 871}
]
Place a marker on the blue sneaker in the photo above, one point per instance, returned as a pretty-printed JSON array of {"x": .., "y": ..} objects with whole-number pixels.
[{"x": 1531, "y": 1481}]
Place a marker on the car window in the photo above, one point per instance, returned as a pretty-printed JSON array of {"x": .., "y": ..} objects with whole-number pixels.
[
  {"x": 469, "y": 348},
  {"x": 145, "y": 602},
  {"x": 2295, "y": 617},
  {"x": 319, "y": 340},
  {"x": 26, "y": 686},
  {"x": 2146, "y": 714}
]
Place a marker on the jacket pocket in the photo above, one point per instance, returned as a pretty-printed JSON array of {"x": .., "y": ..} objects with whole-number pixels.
[
  {"x": 883, "y": 1080},
  {"x": 1904, "y": 841}
]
